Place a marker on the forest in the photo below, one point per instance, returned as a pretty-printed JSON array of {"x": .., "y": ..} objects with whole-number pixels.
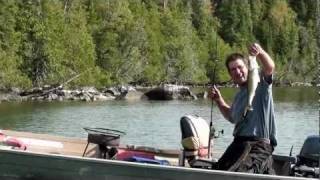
[{"x": 149, "y": 42}]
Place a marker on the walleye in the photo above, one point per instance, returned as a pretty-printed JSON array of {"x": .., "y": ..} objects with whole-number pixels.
[{"x": 253, "y": 80}]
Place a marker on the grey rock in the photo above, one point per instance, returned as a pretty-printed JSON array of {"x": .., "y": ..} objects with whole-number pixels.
[{"x": 170, "y": 92}]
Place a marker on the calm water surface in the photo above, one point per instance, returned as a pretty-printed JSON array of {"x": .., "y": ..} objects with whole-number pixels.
[{"x": 156, "y": 123}]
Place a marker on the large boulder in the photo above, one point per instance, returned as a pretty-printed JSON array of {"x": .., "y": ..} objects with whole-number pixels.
[{"x": 170, "y": 92}]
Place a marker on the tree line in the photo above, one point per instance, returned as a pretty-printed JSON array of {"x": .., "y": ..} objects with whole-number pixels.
[{"x": 148, "y": 42}]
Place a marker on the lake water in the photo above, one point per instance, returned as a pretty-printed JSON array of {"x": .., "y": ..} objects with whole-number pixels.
[{"x": 156, "y": 123}]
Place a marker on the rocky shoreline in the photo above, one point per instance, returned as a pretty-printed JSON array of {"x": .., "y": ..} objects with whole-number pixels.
[{"x": 89, "y": 94}]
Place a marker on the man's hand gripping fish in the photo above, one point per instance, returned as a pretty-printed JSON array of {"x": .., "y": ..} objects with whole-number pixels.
[{"x": 253, "y": 80}]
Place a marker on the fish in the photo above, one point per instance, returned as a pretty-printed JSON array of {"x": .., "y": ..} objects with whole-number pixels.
[{"x": 253, "y": 81}]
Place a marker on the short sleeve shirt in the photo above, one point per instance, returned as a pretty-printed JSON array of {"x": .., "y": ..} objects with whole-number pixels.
[{"x": 260, "y": 121}]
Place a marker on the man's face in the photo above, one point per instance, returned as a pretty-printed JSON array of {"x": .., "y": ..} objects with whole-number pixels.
[{"x": 238, "y": 72}]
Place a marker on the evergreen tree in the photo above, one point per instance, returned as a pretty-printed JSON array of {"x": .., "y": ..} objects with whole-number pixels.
[
  {"x": 285, "y": 33},
  {"x": 236, "y": 25},
  {"x": 120, "y": 43},
  {"x": 212, "y": 48},
  {"x": 55, "y": 42},
  {"x": 30, "y": 25},
  {"x": 96, "y": 12},
  {"x": 306, "y": 16},
  {"x": 10, "y": 61},
  {"x": 182, "y": 63},
  {"x": 79, "y": 54},
  {"x": 149, "y": 42},
  {"x": 153, "y": 71}
]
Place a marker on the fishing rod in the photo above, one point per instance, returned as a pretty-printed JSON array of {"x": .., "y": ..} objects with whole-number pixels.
[
  {"x": 211, "y": 119},
  {"x": 211, "y": 109}
]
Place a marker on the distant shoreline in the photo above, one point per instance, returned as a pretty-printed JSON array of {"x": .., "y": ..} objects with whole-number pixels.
[{"x": 92, "y": 94}]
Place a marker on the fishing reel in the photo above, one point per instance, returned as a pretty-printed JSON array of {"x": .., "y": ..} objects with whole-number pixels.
[{"x": 214, "y": 133}]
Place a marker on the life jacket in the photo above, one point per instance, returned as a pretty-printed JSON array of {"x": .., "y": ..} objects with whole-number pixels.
[{"x": 12, "y": 141}]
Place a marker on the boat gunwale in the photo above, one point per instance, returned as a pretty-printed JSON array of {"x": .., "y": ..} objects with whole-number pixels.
[{"x": 152, "y": 166}]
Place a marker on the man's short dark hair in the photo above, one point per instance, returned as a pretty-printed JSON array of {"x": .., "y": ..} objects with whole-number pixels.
[{"x": 233, "y": 57}]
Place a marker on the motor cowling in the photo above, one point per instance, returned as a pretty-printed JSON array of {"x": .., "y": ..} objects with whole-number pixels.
[
  {"x": 195, "y": 137},
  {"x": 308, "y": 160}
]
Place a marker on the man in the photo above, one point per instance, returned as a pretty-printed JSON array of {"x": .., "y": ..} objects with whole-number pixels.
[{"x": 254, "y": 134}]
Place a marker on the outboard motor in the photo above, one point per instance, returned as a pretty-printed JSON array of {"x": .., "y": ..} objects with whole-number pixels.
[
  {"x": 195, "y": 137},
  {"x": 308, "y": 160}
]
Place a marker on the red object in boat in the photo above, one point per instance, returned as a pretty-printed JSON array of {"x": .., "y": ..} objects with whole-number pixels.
[
  {"x": 11, "y": 141},
  {"x": 125, "y": 154}
]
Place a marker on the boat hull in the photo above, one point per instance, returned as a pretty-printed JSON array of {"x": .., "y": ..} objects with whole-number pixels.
[{"x": 21, "y": 165}]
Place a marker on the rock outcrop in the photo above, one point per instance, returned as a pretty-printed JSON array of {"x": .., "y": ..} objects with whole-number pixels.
[{"x": 170, "y": 92}]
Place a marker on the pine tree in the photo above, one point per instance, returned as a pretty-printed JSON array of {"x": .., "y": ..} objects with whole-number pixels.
[
  {"x": 10, "y": 39},
  {"x": 31, "y": 26},
  {"x": 182, "y": 63},
  {"x": 236, "y": 25},
  {"x": 153, "y": 73},
  {"x": 212, "y": 49},
  {"x": 79, "y": 54},
  {"x": 121, "y": 43},
  {"x": 285, "y": 33}
]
